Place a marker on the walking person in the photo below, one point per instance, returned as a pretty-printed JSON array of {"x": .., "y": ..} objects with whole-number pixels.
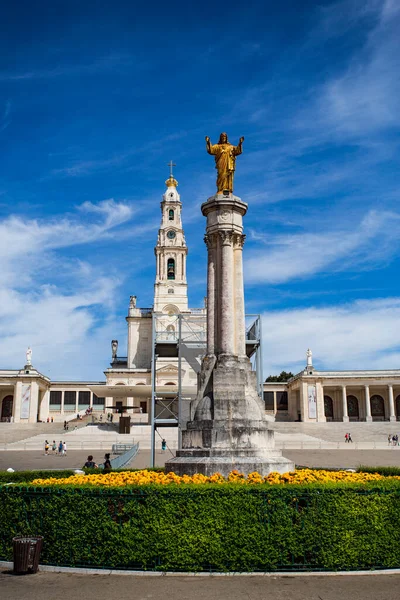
[
  {"x": 389, "y": 439},
  {"x": 346, "y": 437},
  {"x": 64, "y": 449},
  {"x": 60, "y": 448},
  {"x": 107, "y": 462},
  {"x": 163, "y": 445},
  {"x": 54, "y": 448},
  {"x": 65, "y": 425},
  {"x": 46, "y": 448},
  {"x": 349, "y": 438}
]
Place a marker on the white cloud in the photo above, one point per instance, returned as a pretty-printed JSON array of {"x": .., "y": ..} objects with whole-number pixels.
[
  {"x": 104, "y": 63},
  {"x": 67, "y": 325},
  {"x": 297, "y": 256},
  {"x": 365, "y": 99},
  {"x": 361, "y": 335}
]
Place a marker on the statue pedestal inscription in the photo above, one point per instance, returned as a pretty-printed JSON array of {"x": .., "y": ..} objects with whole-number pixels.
[{"x": 228, "y": 429}]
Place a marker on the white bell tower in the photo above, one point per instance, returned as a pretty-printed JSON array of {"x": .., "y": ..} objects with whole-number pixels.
[{"x": 170, "y": 288}]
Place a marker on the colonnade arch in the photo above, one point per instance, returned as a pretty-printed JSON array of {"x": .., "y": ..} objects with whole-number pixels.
[
  {"x": 7, "y": 408},
  {"x": 377, "y": 407},
  {"x": 353, "y": 409},
  {"x": 328, "y": 407}
]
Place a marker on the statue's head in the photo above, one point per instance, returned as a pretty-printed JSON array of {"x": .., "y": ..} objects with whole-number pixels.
[{"x": 223, "y": 138}]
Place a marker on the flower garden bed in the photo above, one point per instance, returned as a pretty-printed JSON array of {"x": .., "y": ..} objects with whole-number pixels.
[
  {"x": 311, "y": 520},
  {"x": 146, "y": 477}
]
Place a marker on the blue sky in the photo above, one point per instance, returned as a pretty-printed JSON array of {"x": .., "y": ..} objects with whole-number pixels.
[{"x": 97, "y": 97}]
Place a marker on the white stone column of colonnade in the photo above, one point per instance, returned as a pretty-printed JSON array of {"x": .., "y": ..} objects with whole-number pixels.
[
  {"x": 239, "y": 322},
  {"x": 368, "y": 416},
  {"x": 344, "y": 402},
  {"x": 17, "y": 401},
  {"x": 392, "y": 414},
  {"x": 226, "y": 304}
]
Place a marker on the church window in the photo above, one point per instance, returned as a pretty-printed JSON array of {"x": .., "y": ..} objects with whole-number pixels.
[
  {"x": 98, "y": 401},
  {"x": 83, "y": 399},
  {"x": 170, "y": 291},
  {"x": 70, "y": 399},
  {"x": 171, "y": 214},
  {"x": 171, "y": 268},
  {"x": 55, "y": 398}
]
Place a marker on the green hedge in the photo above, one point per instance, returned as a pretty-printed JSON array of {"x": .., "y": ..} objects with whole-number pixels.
[
  {"x": 218, "y": 528},
  {"x": 26, "y": 476},
  {"x": 385, "y": 471}
]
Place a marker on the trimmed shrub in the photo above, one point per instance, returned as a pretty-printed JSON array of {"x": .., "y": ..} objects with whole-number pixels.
[
  {"x": 212, "y": 528},
  {"x": 385, "y": 471},
  {"x": 26, "y": 476}
]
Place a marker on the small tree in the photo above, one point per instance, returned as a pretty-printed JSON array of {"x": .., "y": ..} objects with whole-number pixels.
[{"x": 282, "y": 377}]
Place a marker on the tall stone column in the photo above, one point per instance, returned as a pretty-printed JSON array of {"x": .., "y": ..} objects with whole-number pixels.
[
  {"x": 344, "y": 401},
  {"x": 321, "y": 417},
  {"x": 367, "y": 404},
  {"x": 17, "y": 402},
  {"x": 240, "y": 326},
  {"x": 34, "y": 403},
  {"x": 211, "y": 241},
  {"x": 392, "y": 414},
  {"x": 226, "y": 345},
  {"x": 228, "y": 427}
]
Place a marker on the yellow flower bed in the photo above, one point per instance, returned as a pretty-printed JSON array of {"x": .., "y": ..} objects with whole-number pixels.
[{"x": 146, "y": 477}]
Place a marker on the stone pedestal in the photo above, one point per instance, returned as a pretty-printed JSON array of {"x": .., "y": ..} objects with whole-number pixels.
[{"x": 228, "y": 428}]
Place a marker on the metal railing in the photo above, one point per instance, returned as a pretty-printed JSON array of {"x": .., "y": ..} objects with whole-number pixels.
[{"x": 124, "y": 459}]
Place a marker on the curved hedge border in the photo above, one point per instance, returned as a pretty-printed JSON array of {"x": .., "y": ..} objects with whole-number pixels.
[
  {"x": 219, "y": 528},
  {"x": 27, "y": 476}
]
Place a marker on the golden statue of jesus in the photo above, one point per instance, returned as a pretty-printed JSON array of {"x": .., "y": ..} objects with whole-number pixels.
[{"x": 225, "y": 159}]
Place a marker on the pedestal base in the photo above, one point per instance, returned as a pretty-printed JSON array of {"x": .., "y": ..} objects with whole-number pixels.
[
  {"x": 189, "y": 462},
  {"x": 228, "y": 429}
]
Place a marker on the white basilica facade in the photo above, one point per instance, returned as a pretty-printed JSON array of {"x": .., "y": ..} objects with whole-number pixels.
[{"x": 164, "y": 349}]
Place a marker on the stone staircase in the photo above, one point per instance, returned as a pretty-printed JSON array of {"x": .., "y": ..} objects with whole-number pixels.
[
  {"x": 94, "y": 437},
  {"x": 86, "y": 436}
]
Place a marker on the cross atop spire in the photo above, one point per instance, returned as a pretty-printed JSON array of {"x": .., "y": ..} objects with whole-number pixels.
[{"x": 171, "y": 164}]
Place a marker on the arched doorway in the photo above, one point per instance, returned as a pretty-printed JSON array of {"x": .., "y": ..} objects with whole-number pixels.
[
  {"x": 328, "y": 407},
  {"x": 352, "y": 408},
  {"x": 377, "y": 407},
  {"x": 398, "y": 408},
  {"x": 7, "y": 408}
]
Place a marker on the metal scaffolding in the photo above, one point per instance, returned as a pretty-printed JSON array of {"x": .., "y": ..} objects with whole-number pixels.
[{"x": 183, "y": 337}]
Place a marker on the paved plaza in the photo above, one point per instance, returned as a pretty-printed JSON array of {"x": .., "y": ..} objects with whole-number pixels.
[
  {"x": 349, "y": 458},
  {"x": 119, "y": 587}
]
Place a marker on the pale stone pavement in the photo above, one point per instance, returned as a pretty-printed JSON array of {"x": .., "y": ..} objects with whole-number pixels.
[
  {"x": 119, "y": 587},
  {"x": 348, "y": 458}
]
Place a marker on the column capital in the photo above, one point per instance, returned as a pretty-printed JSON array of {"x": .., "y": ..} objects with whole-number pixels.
[
  {"x": 210, "y": 239},
  {"x": 226, "y": 237},
  {"x": 238, "y": 240}
]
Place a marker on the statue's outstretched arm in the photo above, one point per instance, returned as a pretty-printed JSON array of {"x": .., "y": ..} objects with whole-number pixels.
[
  {"x": 238, "y": 149},
  {"x": 209, "y": 145}
]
